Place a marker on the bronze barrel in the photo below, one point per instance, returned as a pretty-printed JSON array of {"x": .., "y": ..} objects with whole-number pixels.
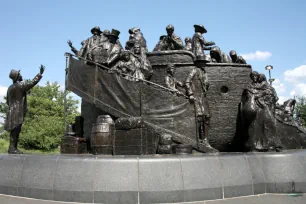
[
  {"x": 102, "y": 135},
  {"x": 164, "y": 149}
]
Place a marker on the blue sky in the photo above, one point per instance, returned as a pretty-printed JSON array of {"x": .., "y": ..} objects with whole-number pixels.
[{"x": 266, "y": 32}]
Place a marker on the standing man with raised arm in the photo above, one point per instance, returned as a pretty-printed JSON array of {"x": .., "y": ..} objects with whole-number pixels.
[{"x": 17, "y": 105}]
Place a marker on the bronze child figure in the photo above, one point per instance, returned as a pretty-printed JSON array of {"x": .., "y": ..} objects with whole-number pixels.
[
  {"x": 188, "y": 44},
  {"x": 17, "y": 106},
  {"x": 171, "y": 81}
]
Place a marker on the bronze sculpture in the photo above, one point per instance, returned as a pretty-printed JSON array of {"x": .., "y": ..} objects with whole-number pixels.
[
  {"x": 196, "y": 87},
  {"x": 161, "y": 45},
  {"x": 258, "y": 108},
  {"x": 115, "y": 47},
  {"x": 17, "y": 106},
  {"x": 103, "y": 35},
  {"x": 136, "y": 36},
  {"x": 219, "y": 56},
  {"x": 235, "y": 58},
  {"x": 188, "y": 44},
  {"x": 171, "y": 81},
  {"x": 125, "y": 66},
  {"x": 171, "y": 41},
  {"x": 187, "y": 122},
  {"x": 74, "y": 50},
  {"x": 285, "y": 112},
  {"x": 93, "y": 42},
  {"x": 199, "y": 44},
  {"x": 139, "y": 56}
]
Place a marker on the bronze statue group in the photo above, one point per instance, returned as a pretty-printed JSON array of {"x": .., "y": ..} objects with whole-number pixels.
[
  {"x": 258, "y": 105},
  {"x": 105, "y": 48},
  {"x": 259, "y": 108}
]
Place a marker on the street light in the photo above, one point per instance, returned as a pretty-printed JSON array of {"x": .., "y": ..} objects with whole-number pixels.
[{"x": 270, "y": 67}]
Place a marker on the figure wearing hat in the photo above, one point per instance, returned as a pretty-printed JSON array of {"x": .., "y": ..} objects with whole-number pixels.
[
  {"x": 136, "y": 37},
  {"x": 104, "y": 35},
  {"x": 198, "y": 42},
  {"x": 94, "y": 41},
  {"x": 196, "y": 85},
  {"x": 115, "y": 47},
  {"x": 17, "y": 106},
  {"x": 161, "y": 45}
]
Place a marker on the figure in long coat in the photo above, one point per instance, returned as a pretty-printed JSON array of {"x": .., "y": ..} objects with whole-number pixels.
[
  {"x": 17, "y": 106},
  {"x": 139, "y": 55},
  {"x": 115, "y": 48},
  {"x": 93, "y": 42},
  {"x": 197, "y": 85},
  {"x": 199, "y": 44}
]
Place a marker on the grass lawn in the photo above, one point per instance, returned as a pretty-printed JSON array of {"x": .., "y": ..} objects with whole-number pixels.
[{"x": 4, "y": 144}]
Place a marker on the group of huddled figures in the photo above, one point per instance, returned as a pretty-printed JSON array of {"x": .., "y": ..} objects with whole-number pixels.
[
  {"x": 105, "y": 48},
  {"x": 260, "y": 113},
  {"x": 197, "y": 44}
]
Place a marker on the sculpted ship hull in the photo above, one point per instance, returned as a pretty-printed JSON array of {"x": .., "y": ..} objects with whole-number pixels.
[{"x": 161, "y": 110}]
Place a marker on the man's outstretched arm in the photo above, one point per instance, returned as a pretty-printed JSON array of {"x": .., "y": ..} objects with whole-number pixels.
[{"x": 30, "y": 84}]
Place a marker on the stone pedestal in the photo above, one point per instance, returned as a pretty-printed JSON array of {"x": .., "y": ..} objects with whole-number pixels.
[{"x": 152, "y": 179}]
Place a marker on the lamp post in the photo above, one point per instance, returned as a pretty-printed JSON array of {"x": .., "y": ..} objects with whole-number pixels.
[
  {"x": 65, "y": 92},
  {"x": 270, "y": 67}
]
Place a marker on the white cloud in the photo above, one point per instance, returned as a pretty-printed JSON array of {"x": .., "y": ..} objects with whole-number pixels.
[
  {"x": 282, "y": 99},
  {"x": 296, "y": 75},
  {"x": 292, "y": 93},
  {"x": 62, "y": 87},
  {"x": 279, "y": 86},
  {"x": 258, "y": 55},
  {"x": 298, "y": 90}
]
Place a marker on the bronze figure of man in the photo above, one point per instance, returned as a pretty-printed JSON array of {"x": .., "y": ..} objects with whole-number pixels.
[
  {"x": 171, "y": 41},
  {"x": 199, "y": 44},
  {"x": 196, "y": 85},
  {"x": 17, "y": 106}
]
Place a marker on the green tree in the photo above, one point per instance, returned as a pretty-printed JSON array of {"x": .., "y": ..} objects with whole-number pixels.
[
  {"x": 300, "y": 110},
  {"x": 44, "y": 123},
  {"x": 3, "y": 111}
]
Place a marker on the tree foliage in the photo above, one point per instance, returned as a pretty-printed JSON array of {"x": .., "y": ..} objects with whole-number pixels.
[
  {"x": 44, "y": 123},
  {"x": 300, "y": 110}
]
